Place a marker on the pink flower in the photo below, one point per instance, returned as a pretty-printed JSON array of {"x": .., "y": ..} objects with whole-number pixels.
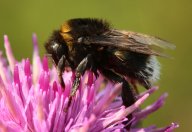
[{"x": 31, "y": 99}]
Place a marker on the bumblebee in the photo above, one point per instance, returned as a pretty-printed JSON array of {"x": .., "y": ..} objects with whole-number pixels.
[{"x": 121, "y": 56}]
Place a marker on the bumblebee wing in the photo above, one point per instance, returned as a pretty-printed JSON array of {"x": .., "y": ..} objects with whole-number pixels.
[
  {"x": 135, "y": 42},
  {"x": 146, "y": 39}
]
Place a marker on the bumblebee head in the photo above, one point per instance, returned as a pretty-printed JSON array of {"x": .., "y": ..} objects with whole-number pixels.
[
  {"x": 63, "y": 40},
  {"x": 56, "y": 46}
]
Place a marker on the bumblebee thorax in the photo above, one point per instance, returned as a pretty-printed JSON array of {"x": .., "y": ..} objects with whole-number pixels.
[{"x": 84, "y": 27}]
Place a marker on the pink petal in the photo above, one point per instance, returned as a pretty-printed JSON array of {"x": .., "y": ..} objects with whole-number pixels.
[
  {"x": 45, "y": 64},
  {"x": 150, "y": 91},
  {"x": 169, "y": 128},
  {"x": 123, "y": 113},
  {"x": 27, "y": 68},
  {"x": 105, "y": 101},
  {"x": 4, "y": 72},
  {"x": 37, "y": 66},
  {"x": 150, "y": 109},
  {"x": 9, "y": 53},
  {"x": 13, "y": 106}
]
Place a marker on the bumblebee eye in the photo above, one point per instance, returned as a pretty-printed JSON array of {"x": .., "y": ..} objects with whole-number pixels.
[
  {"x": 58, "y": 49},
  {"x": 55, "y": 46},
  {"x": 80, "y": 40}
]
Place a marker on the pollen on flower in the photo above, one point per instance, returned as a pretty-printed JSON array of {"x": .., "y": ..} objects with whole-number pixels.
[{"x": 31, "y": 99}]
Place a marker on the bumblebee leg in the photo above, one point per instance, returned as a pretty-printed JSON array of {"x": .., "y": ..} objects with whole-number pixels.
[
  {"x": 135, "y": 88},
  {"x": 127, "y": 93},
  {"x": 80, "y": 70},
  {"x": 60, "y": 70}
]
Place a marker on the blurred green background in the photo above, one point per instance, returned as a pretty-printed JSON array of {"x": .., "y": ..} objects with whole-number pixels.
[{"x": 168, "y": 19}]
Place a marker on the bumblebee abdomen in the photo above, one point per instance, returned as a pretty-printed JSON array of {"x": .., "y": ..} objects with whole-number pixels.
[
  {"x": 149, "y": 73},
  {"x": 144, "y": 69}
]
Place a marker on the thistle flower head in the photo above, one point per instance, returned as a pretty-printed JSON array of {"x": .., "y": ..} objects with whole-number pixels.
[{"x": 31, "y": 99}]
